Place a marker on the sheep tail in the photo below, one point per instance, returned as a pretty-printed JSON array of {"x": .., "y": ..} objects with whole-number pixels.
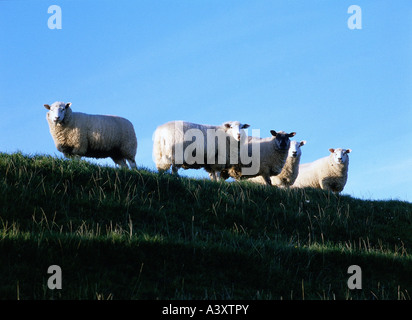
[{"x": 159, "y": 151}]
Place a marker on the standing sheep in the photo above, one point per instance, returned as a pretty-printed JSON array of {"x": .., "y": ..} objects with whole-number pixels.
[
  {"x": 173, "y": 146},
  {"x": 97, "y": 136},
  {"x": 270, "y": 159},
  {"x": 289, "y": 171},
  {"x": 328, "y": 173}
]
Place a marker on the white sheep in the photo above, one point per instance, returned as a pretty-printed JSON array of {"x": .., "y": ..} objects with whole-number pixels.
[
  {"x": 97, "y": 136},
  {"x": 328, "y": 173},
  {"x": 211, "y": 149},
  {"x": 270, "y": 157},
  {"x": 289, "y": 171}
]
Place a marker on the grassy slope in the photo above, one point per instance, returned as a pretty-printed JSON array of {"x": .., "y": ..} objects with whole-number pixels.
[{"x": 140, "y": 235}]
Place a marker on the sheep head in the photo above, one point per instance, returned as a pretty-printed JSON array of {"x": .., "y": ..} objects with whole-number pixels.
[
  {"x": 235, "y": 129},
  {"x": 294, "y": 149},
  {"x": 340, "y": 155},
  {"x": 57, "y": 111},
  {"x": 282, "y": 141}
]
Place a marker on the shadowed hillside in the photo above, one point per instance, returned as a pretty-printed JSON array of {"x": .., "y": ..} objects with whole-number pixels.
[{"x": 121, "y": 234}]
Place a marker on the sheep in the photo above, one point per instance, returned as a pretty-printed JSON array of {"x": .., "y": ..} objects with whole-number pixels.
[
  {"x": 269, "y": 153},
  {"x": 289, "y": 171},
  {"x": 173, "y": 146},
  {"x": 328, "y": 173},
  {"x": 77, "y": 134}
]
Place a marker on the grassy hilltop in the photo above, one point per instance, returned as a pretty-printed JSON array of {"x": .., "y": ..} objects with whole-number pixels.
[{"x": 121, "y": 234}]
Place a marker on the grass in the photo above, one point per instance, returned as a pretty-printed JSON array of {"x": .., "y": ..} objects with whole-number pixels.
[{"x": 121, "y": 234}]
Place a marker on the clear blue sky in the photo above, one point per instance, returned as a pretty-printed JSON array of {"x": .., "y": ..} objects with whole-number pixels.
[{"x": 283, "y": 65}]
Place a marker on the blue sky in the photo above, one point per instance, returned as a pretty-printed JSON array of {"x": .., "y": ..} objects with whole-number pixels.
[{"x": 283, "y": 65}]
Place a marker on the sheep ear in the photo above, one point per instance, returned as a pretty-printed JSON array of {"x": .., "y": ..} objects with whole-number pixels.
[
  {"x": 332, "y": 150},
  {"x": 47, "y": 106},
  {"x": 227, "y": 125},
  {"x": 68, "y": 104},
  {"x": 302, "y": 142},
  {"x": 273, "y": 132},
  {"x": 245, "y": 126},
  {"x": 348, "y": 151},
  {"x": 292, "y": 134}
]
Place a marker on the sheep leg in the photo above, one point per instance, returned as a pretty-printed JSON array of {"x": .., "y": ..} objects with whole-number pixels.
[
  {"x": 212, "y": 175},
  {"x": 72, "y": 156},
  {"x": 163, "y": 167},
  {"x": 121, "y": 162},
  {"x": 174, "y": 169},
  {"x": 224, "y": 174},
  {"x": 268, "y": 182},
  {"x": 132, "y": 163},
  {"x": 219, "y": 176}
]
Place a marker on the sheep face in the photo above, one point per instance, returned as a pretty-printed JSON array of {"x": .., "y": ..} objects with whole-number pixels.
[
  {"x": 282, "y": 139},
  {"x": 294, "y": 149},
  {"x": 340, "y": 156},
  {"x": 57, "y": 111},
  {"x": 235, "y": 129}
]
